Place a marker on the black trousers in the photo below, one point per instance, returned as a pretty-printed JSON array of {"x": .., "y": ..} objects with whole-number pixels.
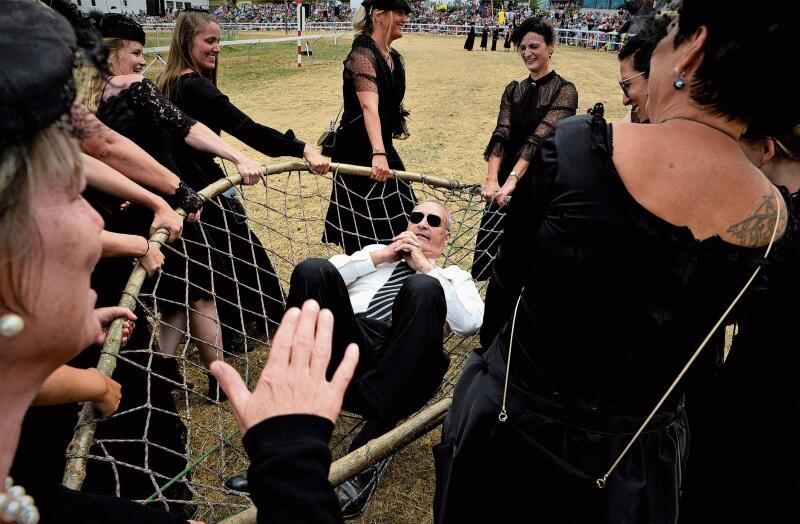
[{"x": 401, "y": 364}]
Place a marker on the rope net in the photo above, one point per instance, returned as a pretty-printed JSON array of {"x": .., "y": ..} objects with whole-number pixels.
[{"x": 174, "y": 441}]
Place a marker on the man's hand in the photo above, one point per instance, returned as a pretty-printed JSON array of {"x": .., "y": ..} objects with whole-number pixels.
[
  {"x": 414, "y": 257},
  {"x": 394, "y": 252},
  {"x": 169, "y": 219},
  {"x": 106, "y": 315},
  {"x": 293, "y": 380}
]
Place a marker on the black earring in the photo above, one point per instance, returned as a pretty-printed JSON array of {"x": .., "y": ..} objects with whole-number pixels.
[{"x": 679, "y": 83}]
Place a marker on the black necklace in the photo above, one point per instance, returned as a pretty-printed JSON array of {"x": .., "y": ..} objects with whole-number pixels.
[{"x": 701, "y": 122}]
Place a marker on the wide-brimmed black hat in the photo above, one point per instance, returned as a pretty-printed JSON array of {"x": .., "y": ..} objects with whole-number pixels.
[
  {"x": 387, "y": 5},
  {"x": 115, "y": 25},
  {"x": 37, "y": 50}
]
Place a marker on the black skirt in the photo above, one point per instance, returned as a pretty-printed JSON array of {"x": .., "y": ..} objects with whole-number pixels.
[
  {"x": 363, "y": 211},
  {"x": 543, "y": 461}
]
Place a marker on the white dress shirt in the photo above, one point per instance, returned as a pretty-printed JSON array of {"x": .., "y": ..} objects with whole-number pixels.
[{"x": 364, "y": 279}]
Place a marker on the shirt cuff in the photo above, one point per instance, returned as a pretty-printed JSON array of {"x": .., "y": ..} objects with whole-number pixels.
[{"x": 362, "y": 263}]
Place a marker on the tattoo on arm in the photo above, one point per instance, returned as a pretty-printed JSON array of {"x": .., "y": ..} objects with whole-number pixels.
[{"x": 757, "y": 229}]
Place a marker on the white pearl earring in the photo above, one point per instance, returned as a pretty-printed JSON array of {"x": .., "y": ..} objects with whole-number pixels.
[{"x": 11, "y": 325}]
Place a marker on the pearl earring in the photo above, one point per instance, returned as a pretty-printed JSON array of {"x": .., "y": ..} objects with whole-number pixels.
[
  {"x": 680, "y": 82},
  {"x": 11, "y": 325}
]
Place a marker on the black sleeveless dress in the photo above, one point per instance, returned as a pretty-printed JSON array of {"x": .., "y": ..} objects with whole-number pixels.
[
  {"x": 528, "y": 112},
  {"x": 363, "y": 211},
  {"x": 610, "y": 301}
]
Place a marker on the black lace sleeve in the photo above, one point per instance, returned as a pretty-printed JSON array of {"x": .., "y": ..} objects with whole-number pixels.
[
  {"x": 146, "y": 96},
  {"x": 564, "y": 105},
  {"x": 502, "y": 132},
  {"x": 360, "y": 66}
]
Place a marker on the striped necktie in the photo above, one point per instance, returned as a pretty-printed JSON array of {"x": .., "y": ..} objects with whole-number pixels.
[{"x": 380, "y": 307}]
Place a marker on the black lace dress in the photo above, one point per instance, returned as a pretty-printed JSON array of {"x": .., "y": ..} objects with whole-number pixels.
[
  {"x": 363, "y": 211},
  {"x": 528, "y": 112},
  {"x": 610, "y": 302},
  {"x": 142, "y": 114},
  {"x": 147, "y": 431},
  {"x": 484, "y": 38},
  {"x": 255, "y": 293}
]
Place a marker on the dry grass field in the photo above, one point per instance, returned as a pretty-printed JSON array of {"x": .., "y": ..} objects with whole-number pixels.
[{"x": 453, "y": 96}]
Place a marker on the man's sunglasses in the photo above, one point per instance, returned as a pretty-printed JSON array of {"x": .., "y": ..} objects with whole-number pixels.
[
  {"x": 433, "y": 220},
  {"x": 625, "y": 84}
]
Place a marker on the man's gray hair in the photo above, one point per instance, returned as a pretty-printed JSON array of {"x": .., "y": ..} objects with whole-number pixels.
[{"x": 439, "y": 203}]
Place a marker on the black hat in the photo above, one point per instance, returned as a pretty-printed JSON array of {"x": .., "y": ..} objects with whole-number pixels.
[
  {"x": 37, "y": 50},
  {"x": 115, "y": 25},
  {"x": 387, "y": 5}
]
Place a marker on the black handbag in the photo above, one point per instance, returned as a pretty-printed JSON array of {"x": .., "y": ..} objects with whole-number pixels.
[{"x": 327, "y": 140}]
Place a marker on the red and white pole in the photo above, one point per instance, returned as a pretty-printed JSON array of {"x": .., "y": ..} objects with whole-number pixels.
[{"x": 299, "y": 4}]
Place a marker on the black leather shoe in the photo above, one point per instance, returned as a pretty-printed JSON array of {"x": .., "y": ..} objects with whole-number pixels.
[
  {"x": 238, "y": 482},
  {"x": 354, "y": 494}
]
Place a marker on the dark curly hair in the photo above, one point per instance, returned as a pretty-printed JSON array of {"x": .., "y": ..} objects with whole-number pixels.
[
  {"x": 641, "y": 45},
  {"x": 534, "y": 24},
  {"x": 770, "y": 104}
]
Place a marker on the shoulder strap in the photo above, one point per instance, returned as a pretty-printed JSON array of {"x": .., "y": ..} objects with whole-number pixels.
[{"x": 601, "y": 482}]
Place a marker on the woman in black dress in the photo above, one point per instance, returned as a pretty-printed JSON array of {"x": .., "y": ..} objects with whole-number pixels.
[
  {"x": 507, "y": 42},
  {"x": 245, "y": 281},
  {"x": 371, "y": 210},
  {"x": 623, "y": 248},
  {"x": 528, "y": 111},
  {"x": 759, "y": 376},
  {"x": 484, "y": 37},
  {"x": 470, "y": 43},
  {"x": 495, "y": 37},
  {"x": 134, "y": 107}
]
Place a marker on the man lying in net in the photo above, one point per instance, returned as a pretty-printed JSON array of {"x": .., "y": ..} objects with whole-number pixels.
[{"x": 393, "y": 302}]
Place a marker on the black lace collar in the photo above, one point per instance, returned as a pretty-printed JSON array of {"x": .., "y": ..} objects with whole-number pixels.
[{"x": 546, "y": 78}]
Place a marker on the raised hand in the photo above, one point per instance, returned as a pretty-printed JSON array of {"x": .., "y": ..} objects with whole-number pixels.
[{"x": 293, "y": 380}]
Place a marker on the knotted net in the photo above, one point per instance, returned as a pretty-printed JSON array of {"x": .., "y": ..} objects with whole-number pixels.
[{"x": 173, "y": 441}]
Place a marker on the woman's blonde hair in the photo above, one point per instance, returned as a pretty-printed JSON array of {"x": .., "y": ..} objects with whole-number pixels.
[
  {"x": 91, "y": 80},
  {"x": 187, "y": 26},
  {"x": 50, "y": 158},
  {"x": 364, "y": 23}
]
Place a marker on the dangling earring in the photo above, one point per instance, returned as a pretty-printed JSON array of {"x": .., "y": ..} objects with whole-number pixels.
[
  {"x": 11, "y": 325},
  {"x": 680, "y": 82}
]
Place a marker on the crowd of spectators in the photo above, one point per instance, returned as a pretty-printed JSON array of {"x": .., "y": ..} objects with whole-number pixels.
[{"x": 426, "y": 12}]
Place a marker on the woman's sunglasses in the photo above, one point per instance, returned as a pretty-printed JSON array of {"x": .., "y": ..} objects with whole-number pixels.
[{"x": 433, "y": 220}]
